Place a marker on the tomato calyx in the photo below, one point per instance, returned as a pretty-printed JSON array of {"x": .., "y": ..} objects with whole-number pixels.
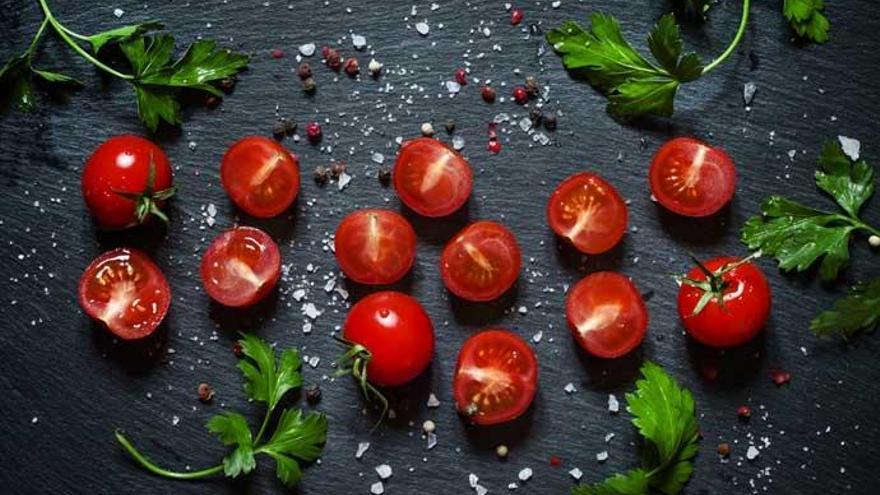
[
  {"x": 354, "y": 362},
  {"x": 714, "y": 285},
  {"x": 146, "y": 201}
]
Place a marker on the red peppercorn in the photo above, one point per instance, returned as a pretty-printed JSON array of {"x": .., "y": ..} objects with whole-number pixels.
[
  {"x": 351, "y": 66},
  {"x": 555, "y": 461},
  {"x": 304, "y": 71},
  {"x": 488, "y": 94},
  {"x": 744, "y": 412},
  {"x": 520, "y": 94},
  {"x": 493, "y": 130},
  {"x": 460, "y": 76},
  {"x": 325, "y": 50},
  {"x": 494, "y": 146},
  {"x": 277, "y": 53},
  {"x": 236, "y": 349},
  {"x": 516, "y": 16},
  {"x": 332, "y": 59},
  {"x": 780, "y": 377},
  {"x": 206, "y": 392},
  {"x": 313, "y": 131}
]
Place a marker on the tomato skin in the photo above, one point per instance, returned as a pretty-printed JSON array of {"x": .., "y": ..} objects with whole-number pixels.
[
  {"x": 241, "y": 267},
  {"x": 494, "y": 364},
  {"x": 122, "y": 164},
  {"x": 398, "y": 334},
  {"x": 260, "y": 176},
  {"x": 481, "y": 262},
  {"x": 613, "y": 308},
  {"x": 375, "y": 247},
  {"x": 126, "y": 292},
  {"x": 683, "y": 190},
  {"x": 588, "y": 212},
  {"x": 747, "y": 300},
  {"x": 431, "y": 178}
]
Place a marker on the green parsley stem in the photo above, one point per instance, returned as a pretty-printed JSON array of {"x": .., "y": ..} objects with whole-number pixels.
[
  {"x": 146, "y": 463},
  {"x": 262, "y": 427},
  {"x": 736, "y": 39},
  {"x": 33, "y": 46}
]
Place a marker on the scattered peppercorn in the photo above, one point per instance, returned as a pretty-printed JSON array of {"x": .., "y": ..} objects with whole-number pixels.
[
  {"x": 284, "y": 127},
  {"x": 520, "y": 94},
  {"x": 236, "y": 349},
  {"x": 516, "y": 16},
  {"x": 385, "y": 176},
  {"x": 555, "y": 461},
  {"x": 309, "y": 85},
  {"x": 337, "y": 168},
  {"x": 277, "y": 53},
  {"x": 428, "y": 426},
  {"x": 532, "y": 87},
  {"x": 874, "y": 241},
  {"x": 744, "y": 412},
  {"x": 332, "y": 58},
  {"x": 212, "y": 101},
  {"x": 351, "y": 66},
  {"x": 427, "y": 129},
  {"x": 227, "y": 84},
  {"x": 780, "y": 377},
  {"x": 206, "y": 392},
  {"x": 449, "y": 126},
  {"x": 494, "y": 146},
  {"x": 502, "y": 451},
  {"x": 375, "y": 67},
  {"x": 536, "y": 115},
  {"x": 313, "y": 394},
  {"x": 304, "y": 71},
  {"x": 724, "y": 449},
  {"x": 461, "y": 76},
  {"x": 322, "y": 175},
  {"x": 314, "y": 132},
  {"x": 488, "y": 94},
  {"x": 550, "y": 121}
]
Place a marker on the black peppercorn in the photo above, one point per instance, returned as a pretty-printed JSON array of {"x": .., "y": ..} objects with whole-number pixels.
[
  {"x": 313, "y": 394},
  {"x": 284, "y": 128},
  {"x": 309, "y": 85},
  {"x": 385, "y": 176},
  {"x": 322, "y": 175},
  {"x": 532, "y": 86},
  {"x": 536, "y": 116},
  {"x": 450, "y": 126},
  {"x": 337, "y": 168},
  {"x": 550, "y": 121},
  {"x": 304, "y": 71}
]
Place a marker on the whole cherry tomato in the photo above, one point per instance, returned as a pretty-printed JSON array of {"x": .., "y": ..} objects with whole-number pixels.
[
  {"x": 587, "y": 211},
  {"x": 241, "y": 267},
  {"x": 260, "y": 176},
  {"x": 606, "y": 314},
  {"x": 481, "y": 262},
  {"x": 691, "y": 178},
  {"x": 431, "y": 178},
  {"x": 375, "y": 246}
]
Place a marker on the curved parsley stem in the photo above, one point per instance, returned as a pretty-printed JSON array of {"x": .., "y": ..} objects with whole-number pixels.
[
  {"x": 33, "y": 46},
  {"x": 65, "y": 35},
  {"x": 149, "y": 466},
  {"x": 733, "y": 43},
  {"x": 262, "y": 427}
]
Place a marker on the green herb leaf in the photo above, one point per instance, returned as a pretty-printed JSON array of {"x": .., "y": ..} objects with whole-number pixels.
[
  {"x": 297, "y": 437},
  {"x": 859, "y": 310},
  {"x": 15, "y": 83},
  {"x": 633, "y": 482},
  {"x": 55, "y": 77},
  {"x": 807, "y": 19},
  {"x": 634, "y": 85},
  {"x": 119, "y": 34},
  {"x": 267, "y": 382},
  {"x": 232, "y": 429},
  {"x": 850, "y": 183}
]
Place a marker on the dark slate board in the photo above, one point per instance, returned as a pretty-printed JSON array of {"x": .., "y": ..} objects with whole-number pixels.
[{"x": 66, "y": 386}]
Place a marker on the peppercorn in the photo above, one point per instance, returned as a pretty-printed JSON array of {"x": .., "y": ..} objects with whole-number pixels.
[
  {"x": 375, "y": 67},
  {"x": 236, "y": 349},
  {"x": 502, "y": 451},
  {"x": 427, "y": 129},
  {"x": 337, "y": 168},
  {"x": 385, "y": 176},
  {"x": 309, "y": 85},
  {"x": 744, "y": 412},
  {"x": 520, "y": 94},
  {"x": 351, "y": 66},
  {"x": 461, "y": 76},
  {"x": 494, "y": 146},
  {"x": 314, "y": 132},
  {"x": 284, "y": 127},
  {"x": 724, "y": 449},
  {"x": 488, "y": 94},
  {"x": 322, "y": 175},
  {"x": 226, "y": 84},
  {"x": 428, "y": 426},
  {"x": 206, "y": 392},
  {"x": 536, "y": 115},
  {"x": 304, "y": 71},
  {"x": 550, "y": 121},
  {"x": 516, "y": 16},
  {"x": 874, "y": 241},
  {"x": 277, "y": 53},
  {"x": 212, "y": 101},
  {"x": 313, "y": 394},
  {"x": 332, "y": 58},
  {"x": 532, "y": 86},
  {"x": 449, "y": 126}
]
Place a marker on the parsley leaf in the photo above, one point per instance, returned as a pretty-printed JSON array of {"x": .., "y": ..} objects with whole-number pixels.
[
  {"x": 232, "y": 429},
  {"x": 634, "y": 85},
  {"x": 15, "y": 83},
  {"x": 634, "y": 482},
  {"x": 859, "y": 310},
  {"x": 297, "y": 436},
  {"x": 807, "y": 19},
  {"x": 267, "y": 382},
  {"x": 122, "y": 33},
  {"x": 850, "y": 183}
]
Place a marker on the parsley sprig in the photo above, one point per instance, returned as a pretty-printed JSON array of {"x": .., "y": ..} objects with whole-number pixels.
[
  {"x": 297, "y": 437},
  {"x": 665, "y": 415},
  {"x": 807, "y": 18},
  {"x": 858, "y": 311},
  {"x": 157, "y": 78}
]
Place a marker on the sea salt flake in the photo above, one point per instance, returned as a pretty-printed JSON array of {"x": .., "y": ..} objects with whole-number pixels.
[
  {"x": 384, "y": 471},
  {"x": 310, "y": 310},
  {"x": 377, "y": 488},
  {"x": 453, "y": 87},
  {"x": 432, "y": 441},
  {"x": 378, "y": 157},
  {"x": 851, "y": 147},
  {"x": 359, "y": 42},
  {"x": 752, "y": 452},
  {"x": 423, "y": 28},
  {"x": 307, "y": 50},
  {"x": 613, "y": 404},
  {"x": 118, "y": 12},
  {"x": 457, "y": 142},
  {"x": 473, "y": 479},
  {"x": 569, "y": 388},
  {"x": 602, "y": 456},
  {"x": 525, "y": 124},
  {"x": 749, "y": 90},
  {"x": 344, "y": 179},
  {"x": 313, "y": 361},
  {"x": 298, "y": 294},
  {"x": 481, "y": 490},
  {"x": 363, "y": 447},
  {"x": 433, "y": 401},
  {"x": 525, "y": 474},
  {"x": 537, "y": 337},
  {"x": 576, "y": 473}
]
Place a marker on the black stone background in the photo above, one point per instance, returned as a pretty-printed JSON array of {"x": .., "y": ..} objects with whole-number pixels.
[{"x": 66, "y": 386}]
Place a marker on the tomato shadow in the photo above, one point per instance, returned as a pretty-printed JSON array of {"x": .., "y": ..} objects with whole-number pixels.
[
  {"x": 250, "y": 319},
  {"x": 611, "y": 374},
  {"x": 134, "y": 356},
  {"x": 695, "y": 231},
  {"x": 439, "y": 230},
  {"x": 729, "y": 368},
  {"x": 581, "y": 264},
  {"x": 358, "y": 291},
  {"x": 511, "y": 433},
  {"x": 473, "y": 313},
  {"x": 408, "y": 401},
  {"x": 280, "y": 227},
  {"x": 146, "y": 237}
]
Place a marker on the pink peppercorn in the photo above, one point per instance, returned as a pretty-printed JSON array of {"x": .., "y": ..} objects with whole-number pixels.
[
  {"x": 313, "y": 131},
  {"x": 520, "y": 94},
  {"x": 460, "y": 76},
  {"x": 494, "y": 146},
  {"x": 780, "y": 377},
  {"x": 277, "y": 53},
  {"x": 351, "y": 66},
  {"x": 488, "y": 94},
  {"x": 516, "y": 16},
  {"x": 744, "y": 412}
]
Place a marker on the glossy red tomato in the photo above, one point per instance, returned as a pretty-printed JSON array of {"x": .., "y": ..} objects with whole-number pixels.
[
  {"x": 481, "y": 262},
  {"x": 375, "y": 246},
  {"x": 395, "y": 330},
  {"x": 241, "y": 267},
  {"x": 495, "y": 378},
  {"x": 125, "y": 291},
  {"x": 260, "y": 176},
  {"x": 431, "y": 178},
  {"x": 116, "y": 182},
  {"x": 746, "y": 307},
  {"x": 588, "y": 212},
  {"x": 691, "y": 178},
  {"x": 606, "y": 314}
]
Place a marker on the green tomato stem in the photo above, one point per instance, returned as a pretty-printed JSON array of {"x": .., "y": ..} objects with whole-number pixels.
[
  {"x": 149, "y": 466},
  {"x": 736, "y": 39}
]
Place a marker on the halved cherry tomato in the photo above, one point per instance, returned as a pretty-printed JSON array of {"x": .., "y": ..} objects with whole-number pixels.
[
  {"x": 431, "y": 178},
  {"x": 116, "y": 181},
  {"x": 481, "y": 262},
  {"x": 396, "y": 332},
  {"x": 375, "y": 246},
  {"x": 606, "y": 314},
  {"x": 746, "y": 308},
  {"x": 495, "y": 378},
  {"x": 241, "y": 267},
  {"x": 125, "y": 291},
  {"x": 260, "y": 176},
  {"x": 588, "y": 212},
  {"x": 691, "y": 178}
]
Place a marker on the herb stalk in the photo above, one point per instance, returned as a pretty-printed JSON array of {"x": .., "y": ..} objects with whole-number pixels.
[{"x": 734, "y": 42}]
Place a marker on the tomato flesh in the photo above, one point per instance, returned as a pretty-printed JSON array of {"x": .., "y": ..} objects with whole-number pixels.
[
  {"x": 431, "y": 178},
  {"x": 606, "y": 314},
  {"x": 241, "y": 267},
  {"x": 691, "y": 178},
  {"x": 126, "y": 292},
  {"x": 396, "y": 331},
  {"x": 589, "y": 212},
  {"x": 495, "y": 378},
  {"x": 260, "y": 176},
  {"x": 375, "y": 246},
  {"x": 746, "y": 308},
  {"x": 481, "y": 262}
]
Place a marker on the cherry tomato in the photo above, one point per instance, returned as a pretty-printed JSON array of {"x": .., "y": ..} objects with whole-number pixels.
[
  {"x": 691, "y": 178},
  {"x": 495, "y": 378},
  {"x": 588, "y": 212},
  {"x": 116, "y": 182},
  {"x": 481, "y": 262},
  {"x": 375, "y": 246},
  {"x": 125, "y": 291},
  {"x": 241, "y": 267},
  {"x": 395, "y": 330},
  {"x": 260, "y": 176},
  {"x": 431, "y": 178},
  {"x": 606, "y": 314},
  {"x": 746, "y": 307}
]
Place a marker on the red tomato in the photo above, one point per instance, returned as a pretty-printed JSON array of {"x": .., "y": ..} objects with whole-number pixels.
[
  {"x": 495, "y": 378},
  {"x": 375, "y": 246},
  {"x": 116, "y": 182},
  {"x": 241, "y": 267},
  {"x": 431, "y": 178},
  {"x": 395, "y": 330},
  {"x": 746, "y": 307},
  {"x": 587, "y": 211},
  {"x": 606, "y": 314},
  {"x": 125, "y": 291},
  {"x": 481, "y": 262},
  {"x": 260, "y": 176},
  {"x": 691, "y": 178}
]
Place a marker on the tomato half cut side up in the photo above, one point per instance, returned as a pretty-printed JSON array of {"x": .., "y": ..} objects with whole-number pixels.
[
  {"x": 431, "y": 178},
  {"x": 241, "y": 267},
  {"x": 260, "y": 176},
  {"x": 496, "y": 377},
  {"x": 587, "y": 211},
  {"x": 691, "y": 178},
  {"x": 481, "y": 262},
  {"x": 375, "y": 246},
  {"x": 606, "y": 314},
  {"x": 126, "y": 292}
]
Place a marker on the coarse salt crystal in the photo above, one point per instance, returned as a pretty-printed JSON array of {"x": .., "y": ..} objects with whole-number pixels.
[
  {"x": 752, "y": 452},
  {"x": 569, "y": 388},
  {"x": 613, "y": 403},
  {"x": 602, "y": 456},
  {"x": 851, "y": 147},
  {"x": 377, "y": 488},
  {"x": 118, "y": 12},
  {"x": 363, "y": 447},
  {"x": 433, "y": 401},
  {"x": 525, "y": 474},
  {"x": 358, "y": 41},
  {"x": 432, "y": 440},
  {"x": 344, "y": 179},
  {"x": 473, "y": 479},
  {"x": 422, "y": 28},
  {"x": 576, "y": 474},
  {"x": 307, "y": 50},
  {"x": 378, "y": 157},
  {"x": 384, "y": 471}
]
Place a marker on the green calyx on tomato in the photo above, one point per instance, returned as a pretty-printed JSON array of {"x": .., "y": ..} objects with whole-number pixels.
[
  {"x": 354, "y": 362},
  {"x": 713, "y": 286},
  {"x": 147, "y": 201}
]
